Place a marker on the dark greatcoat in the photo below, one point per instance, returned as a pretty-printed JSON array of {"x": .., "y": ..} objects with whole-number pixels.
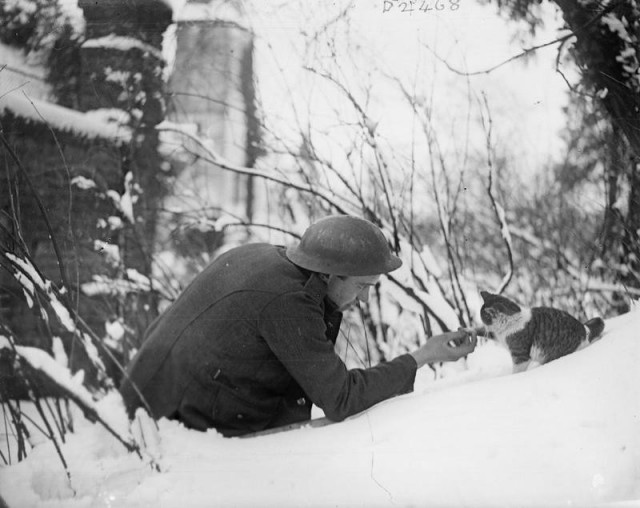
[{"x": 249, "y": 345}]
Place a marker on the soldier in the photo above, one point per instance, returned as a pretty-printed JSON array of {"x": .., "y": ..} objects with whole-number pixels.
[{"x": 249, "y": 344}]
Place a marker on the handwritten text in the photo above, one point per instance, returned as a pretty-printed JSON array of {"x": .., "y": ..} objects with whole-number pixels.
[{"x": 424, "y": 6}]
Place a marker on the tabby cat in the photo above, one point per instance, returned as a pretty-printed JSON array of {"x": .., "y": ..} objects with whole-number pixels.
[{"x": 535, "y": 336}]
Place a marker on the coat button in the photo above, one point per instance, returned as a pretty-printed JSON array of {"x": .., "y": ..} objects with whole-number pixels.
[
  {"x": 239, "y": 416},
  {"x": 301, "y": 401}
]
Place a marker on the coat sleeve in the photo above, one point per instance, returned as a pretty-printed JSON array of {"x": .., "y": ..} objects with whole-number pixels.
[{"x": 294, "y": 328}]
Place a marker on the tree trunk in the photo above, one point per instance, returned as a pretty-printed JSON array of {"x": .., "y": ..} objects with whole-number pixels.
[{"x": 607, "y": 49}]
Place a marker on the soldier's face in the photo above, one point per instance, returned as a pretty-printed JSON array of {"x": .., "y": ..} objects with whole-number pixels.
[{"x": 345, "y": 291}]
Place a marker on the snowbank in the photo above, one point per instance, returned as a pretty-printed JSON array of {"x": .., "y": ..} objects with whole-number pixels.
[{"x": 567, "y": 433}]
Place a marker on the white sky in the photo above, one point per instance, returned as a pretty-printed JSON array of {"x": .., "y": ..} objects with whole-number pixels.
[{"x": 525, "y": 98}]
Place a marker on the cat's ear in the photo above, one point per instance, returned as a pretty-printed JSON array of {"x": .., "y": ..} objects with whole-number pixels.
[{"x": 485, "y": 295}]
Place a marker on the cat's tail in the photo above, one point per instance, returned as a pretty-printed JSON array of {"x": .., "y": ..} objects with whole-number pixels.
[{"x": 595, "y": 327}]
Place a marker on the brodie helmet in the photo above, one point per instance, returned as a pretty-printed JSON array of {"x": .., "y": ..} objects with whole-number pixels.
[{"x": 344, "y": 245}]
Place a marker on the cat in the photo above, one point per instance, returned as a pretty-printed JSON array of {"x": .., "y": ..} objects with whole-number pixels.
[{"x": 538, "y": 335}]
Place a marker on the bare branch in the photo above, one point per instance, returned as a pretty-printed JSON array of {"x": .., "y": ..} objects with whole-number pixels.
[
  {"x": 487, "y": 123},
  {"x": 522, "y": 54},
  {"x": 22, "y": 73},
  {"x": 367, "y": 126},
  {"x": 43, "y": 211},
  {"x": 209, "y": 155}
]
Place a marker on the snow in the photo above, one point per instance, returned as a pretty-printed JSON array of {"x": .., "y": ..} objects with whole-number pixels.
[
  {"x": 122, "y": 43},
  {"x": 29, "y": 278},
  {"x": 115, "y": 330},
  {"x": 127, "y": 200},
  {"x": 21, "y": 73},
  {"x": 73, "y": 13},
  {"x": 94, "y": 124},
  {"x": 59, "y": 353},
  {"x": 124, "y": 203},
  {"x": 40, "y": 360},
  {"x": 567, "y": 433},
  {"x": 216, "y": 10},
  {"x": 83, "y": 183},
  {"x": 616, "y": 26},
  {"x": 110, "y": 251}
]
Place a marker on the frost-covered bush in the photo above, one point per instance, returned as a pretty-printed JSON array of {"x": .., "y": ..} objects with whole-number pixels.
[
  {"x": 29, "y": 24},
  {"x": 47, "y": 34}
]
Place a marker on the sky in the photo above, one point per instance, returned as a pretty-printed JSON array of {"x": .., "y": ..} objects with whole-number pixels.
[{"x": 525, "y": 98}]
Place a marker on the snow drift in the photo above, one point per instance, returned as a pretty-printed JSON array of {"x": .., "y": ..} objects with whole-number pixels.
[{"x": 567, "y": 433}]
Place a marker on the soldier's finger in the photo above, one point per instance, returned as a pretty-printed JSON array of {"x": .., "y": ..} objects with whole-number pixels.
[{"x": 469, "y": 344}]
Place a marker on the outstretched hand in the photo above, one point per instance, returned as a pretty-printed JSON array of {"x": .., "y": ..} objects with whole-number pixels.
[{"x": 447, "y": 347}]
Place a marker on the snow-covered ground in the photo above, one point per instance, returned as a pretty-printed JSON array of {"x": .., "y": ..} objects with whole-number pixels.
[{"x": 565, "y": 434}]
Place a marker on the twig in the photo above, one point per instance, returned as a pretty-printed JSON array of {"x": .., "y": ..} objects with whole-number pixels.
[
  {"x": 350, "y": 345},
  {"x": 426, "y": 309},
  {"x": 498, "y": 210},
  {"x": 43, "y": 211},
  {"x": 249, "y": 224},
  {"x": 365, "y": 123},
  {"x": 69, "y": 194},
  {"x": 6, "y": 435},
  {"x": 226, "y": 104},
  {"x": 52, "y": 437},
  {"x": 35, "y": 424},
  {"x": 214, "y": 158},
  {"x": 20, "y": 428},
  {"x": 522, "y": 54},
  {"x": 366, "y": 335},
  {"x": 59, "y": 425},
  {"x": 22, "y": 73},
  {"x": 525, "y": 52},
  {"x": 454, "y": 278}
]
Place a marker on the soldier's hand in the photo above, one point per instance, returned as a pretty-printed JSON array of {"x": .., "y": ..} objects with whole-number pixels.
[{"x": 447, "y": 347}]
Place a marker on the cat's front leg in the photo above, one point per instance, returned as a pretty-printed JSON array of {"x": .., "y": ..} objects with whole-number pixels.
[{"x": 521, "y": 366}]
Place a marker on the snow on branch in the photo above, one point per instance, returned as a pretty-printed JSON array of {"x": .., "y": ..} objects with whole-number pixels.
[
  {"x": 134, "y": 282},
  {"x": 124, "y": 203},
  {"x": 115, "y": 422},
  {"x": 33, "y": 283},
  {"x": 40, "y": 360}
]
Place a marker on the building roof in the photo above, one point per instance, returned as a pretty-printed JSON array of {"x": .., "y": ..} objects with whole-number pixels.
[{"x": 97, "y": 124}]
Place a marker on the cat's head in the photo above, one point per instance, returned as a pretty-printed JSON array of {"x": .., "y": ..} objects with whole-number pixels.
[{"x": 496, "y": 308}]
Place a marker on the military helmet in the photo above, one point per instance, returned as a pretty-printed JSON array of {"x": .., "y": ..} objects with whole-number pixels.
[{"x": 344, "y": 245}]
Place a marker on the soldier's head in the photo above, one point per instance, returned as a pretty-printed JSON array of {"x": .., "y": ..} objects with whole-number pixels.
[{"x": 351, "y": 251}]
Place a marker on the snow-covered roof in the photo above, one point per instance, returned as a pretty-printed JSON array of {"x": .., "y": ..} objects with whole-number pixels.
[
  {"x": 122, "y": 43},
  {"x": 19, "y": 72},
  {"x": 96, "y": 124}
]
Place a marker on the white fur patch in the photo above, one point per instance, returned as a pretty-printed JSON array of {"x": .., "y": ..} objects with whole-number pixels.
[
  {"x": 520, "y": 367},
  {"x": 509, "y": 325},
  {"x": 533, "y": 364},
  {"x": 585, "y": 341},
  {"x": 537, "y": 355}
]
